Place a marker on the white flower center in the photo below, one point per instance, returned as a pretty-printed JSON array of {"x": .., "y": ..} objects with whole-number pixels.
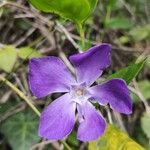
[{"x": 79, "y": 92}]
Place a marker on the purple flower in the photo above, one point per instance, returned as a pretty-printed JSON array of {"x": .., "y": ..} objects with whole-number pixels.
[{"x": 49, "y": 75}]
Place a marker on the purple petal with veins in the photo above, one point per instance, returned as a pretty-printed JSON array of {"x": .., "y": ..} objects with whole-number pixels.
[{"x": 49, "y": 75}]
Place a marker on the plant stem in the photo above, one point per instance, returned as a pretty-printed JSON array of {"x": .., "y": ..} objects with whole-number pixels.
[
  {"x": 82, "y": 36},
  {"x": 107, "y": 18},
  {"x": 21, "y": 94},
  {"x": 66, "y": 145}
]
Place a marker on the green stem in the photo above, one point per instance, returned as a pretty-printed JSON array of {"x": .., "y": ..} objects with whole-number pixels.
[
  {"x": 82, "y": 36},
  {"x": 107, "y": 18},
  {"x": 66, "y": 145},
  {"x": 21, "y": 94}
]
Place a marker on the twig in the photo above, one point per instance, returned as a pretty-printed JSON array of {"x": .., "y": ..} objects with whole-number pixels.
[
  {"x": 141, "y": 97},
  {"x": 27, "y": 11},
  {"x": 139, "y": 94},
  {"x": 21, "y": 40},
  {"x": 129, "y": 9},
  {"x": 68, "y": 64},
  {"x": 5, "y": 97},
  {"x": 62, "y": 55},
  {"x": 43, "y": 143},
  {"x": 20, "y": 93},
  {"x": 119, "y": 121},
  {"x": 109, "y": 115},
  {"x": 123, "y": 48},
  {"x": 19, "y": 83},
  {"x": 62, "y": 28}
]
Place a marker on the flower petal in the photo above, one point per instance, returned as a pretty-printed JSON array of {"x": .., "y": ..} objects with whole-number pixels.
[
  {"x": 58, "y": 119},
  {"x": 90, "y": 64},
  {"x": 48, "y": 75},
  {"x": 116, "y": 93},
  {"x": 92, "y": 125}
]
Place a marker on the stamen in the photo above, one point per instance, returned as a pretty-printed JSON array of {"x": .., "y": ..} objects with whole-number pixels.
[{"x": 80, "y": 92}]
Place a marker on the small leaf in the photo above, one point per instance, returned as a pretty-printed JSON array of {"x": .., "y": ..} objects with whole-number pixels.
[
  {"x": 76, "y": 10},
  {"x": 114, "y": 139},
  {"x": 21, "y": 130},
  {"x": 145, "y": 123},
  {"x": 118, "y": 23},
  {"x": 72, "y": 139},
  {"x": 27, "y": 52},
  {"x": 128, "y": 73},
  {"x": 8, "y": 56},
  {"x": 140, "y": 33}
]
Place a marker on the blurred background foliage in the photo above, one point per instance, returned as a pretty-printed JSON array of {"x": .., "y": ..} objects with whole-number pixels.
[{"x": 26, "y": 33}]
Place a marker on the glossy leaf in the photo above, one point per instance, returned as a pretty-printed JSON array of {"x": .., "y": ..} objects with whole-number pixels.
[
  {"x": 76, "y": 10},
  {"x": 128, "y": 73},
  {"x": 21, "y": 130},
  {"x": 8, "y": 56},
  {"x": 114, "y": 139},
  {"x": 27, "y": 52}
]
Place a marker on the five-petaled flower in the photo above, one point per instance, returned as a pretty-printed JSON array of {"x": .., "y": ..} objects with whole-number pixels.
[{"x": 50, "y": 75}]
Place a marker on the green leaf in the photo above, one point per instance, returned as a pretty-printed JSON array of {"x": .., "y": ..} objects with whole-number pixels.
[
  {"x": 76, "y": 10},
  {"x": 4, "y": 107},
  {"x": 144, "y": 87},
  {"x": 72, "y": 139},
  {"x": 27, "y": 52},
  {"x": 128, "y": 73},
  {"x": 21, "y": 130},
  {"x": 114, "y": 139},
  {"x": 8, "y": 56},
  {"x": 140, "y": 33},
  {"x": 118, "y": 23},
  {"x": 92, "y": 4},
  {"x": 145, "y": 123}
]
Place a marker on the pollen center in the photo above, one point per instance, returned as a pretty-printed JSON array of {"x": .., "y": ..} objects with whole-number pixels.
[{"x": 80, "y": 92}]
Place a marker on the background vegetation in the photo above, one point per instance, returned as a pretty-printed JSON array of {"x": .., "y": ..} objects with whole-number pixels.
[{"x": 26, "y": 33}]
